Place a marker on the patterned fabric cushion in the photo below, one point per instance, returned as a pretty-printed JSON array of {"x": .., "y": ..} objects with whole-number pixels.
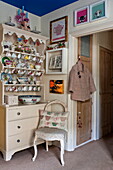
[{"x": 53, "y": 119}]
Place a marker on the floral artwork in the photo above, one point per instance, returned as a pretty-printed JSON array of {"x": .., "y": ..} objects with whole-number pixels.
[
  {"x": 57, "y": 86},
  {"x": 81, "y": 16},
  {"x": 58, "y": 30}
]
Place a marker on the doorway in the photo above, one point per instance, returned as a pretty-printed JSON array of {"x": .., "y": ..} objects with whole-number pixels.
[{"x": 104, "y": 108}]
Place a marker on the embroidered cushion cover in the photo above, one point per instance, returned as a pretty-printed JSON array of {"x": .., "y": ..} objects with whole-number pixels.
[{"x": 53, "y": 119}]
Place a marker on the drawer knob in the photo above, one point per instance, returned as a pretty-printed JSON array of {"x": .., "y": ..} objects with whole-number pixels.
[
  {"x": 18, "y": 140},
  {"x": 18, "y": 113},
  {"x": 18, "y": 127}
]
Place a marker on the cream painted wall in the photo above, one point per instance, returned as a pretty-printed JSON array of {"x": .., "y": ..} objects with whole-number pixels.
[
  {"x": 7, "y": 10},
  {"x": 105, "y": 39}
]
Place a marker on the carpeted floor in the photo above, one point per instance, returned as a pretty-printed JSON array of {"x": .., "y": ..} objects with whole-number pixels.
[{"x": 96, "y": 155}]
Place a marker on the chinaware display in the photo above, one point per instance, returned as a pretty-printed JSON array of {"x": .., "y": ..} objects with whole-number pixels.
[{"x": 29, "y": 99}]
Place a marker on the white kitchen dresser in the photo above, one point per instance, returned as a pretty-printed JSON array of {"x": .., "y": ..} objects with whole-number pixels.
[{"x": 17, "y": 125}]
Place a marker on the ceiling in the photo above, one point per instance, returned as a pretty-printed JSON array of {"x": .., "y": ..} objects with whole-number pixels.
[{"x": 39, "y": 7}]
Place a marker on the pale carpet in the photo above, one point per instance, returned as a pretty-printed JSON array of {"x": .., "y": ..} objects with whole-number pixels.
[{"x": 96, "y": 155}]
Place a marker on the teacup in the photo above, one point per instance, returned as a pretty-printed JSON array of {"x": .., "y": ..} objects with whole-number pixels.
[
  {"x": 34, "y": 59},
  {"x": 7, "y": 89},
  {"x": 38, "y": 73},
  {"x": 6, "y": 71},
  {"x": 38, "y": 88},
  {"x": 25, "y": 88},
  {"x": 34, "y": 88},
  {"x": 13, "y": 55},
  {"x": 19, "y": 88},
  {"x": 30, "y": 88},
  {"x": 8, "y": 54},
  {"x": 37, "y": 66},
  {"x": 19, "y": 56}
]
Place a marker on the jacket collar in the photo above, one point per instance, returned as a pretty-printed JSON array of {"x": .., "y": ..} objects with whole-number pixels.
[{"x": 80, "y": 66}]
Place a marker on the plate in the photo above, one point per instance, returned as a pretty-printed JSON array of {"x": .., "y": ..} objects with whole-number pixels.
[
  {"x": 6, "y": 77},
  {"x": 6, "y": 61}
]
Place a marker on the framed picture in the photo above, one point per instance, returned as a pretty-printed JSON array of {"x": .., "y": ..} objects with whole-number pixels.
[
  {"x": 98, "y": 10},
  {"x": 81, "y": 16},
  {"x": 56, "y": 86},
  {"x": 59, "y": 30},
  {"x": 55, "y": 62}
]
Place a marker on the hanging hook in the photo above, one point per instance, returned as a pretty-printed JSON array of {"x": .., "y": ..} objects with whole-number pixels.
[{"x": 78, "y": 57}]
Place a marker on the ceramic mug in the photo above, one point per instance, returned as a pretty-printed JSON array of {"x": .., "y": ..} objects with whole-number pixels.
[
  {"x": 13, "y": 55},
  {"x": 30, "y": 88},
  {"x": 19, "y": 88},
  {"x": 7, "y": 89},
  {"x": 6, "y": 71},
  {"x": 34, "y": 59},
  {"x": 38, "y": 88},
  {"x": 25, "y": 88},
  {"x": 34, "y": 88},
  {"x": 19, "y": 56},
  {"x": 8, "y": 54}
]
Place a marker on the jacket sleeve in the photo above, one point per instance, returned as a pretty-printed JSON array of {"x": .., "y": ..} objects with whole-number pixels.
[
  {"x": 92, "y": 85},
  {"x": 70, "y": 84}
]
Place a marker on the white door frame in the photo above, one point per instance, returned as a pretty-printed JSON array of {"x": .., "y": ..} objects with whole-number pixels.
[{"x": 72, "y": 105}]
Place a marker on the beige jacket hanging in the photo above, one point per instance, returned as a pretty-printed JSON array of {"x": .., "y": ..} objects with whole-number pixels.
[{"x": 82, "y": 87}]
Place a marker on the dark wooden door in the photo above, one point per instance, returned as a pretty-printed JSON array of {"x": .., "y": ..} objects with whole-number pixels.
[{"x": 105, "y": 90}]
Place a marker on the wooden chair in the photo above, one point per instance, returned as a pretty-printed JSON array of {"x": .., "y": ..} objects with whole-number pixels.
[{"x": 51, "y": 134}]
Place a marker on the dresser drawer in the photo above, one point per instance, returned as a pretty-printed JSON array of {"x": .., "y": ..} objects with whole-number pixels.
[
  {"x": 20, "y": 113},
  {"x": 21, "y": 141},
  {"x": 19, "y": 126}
]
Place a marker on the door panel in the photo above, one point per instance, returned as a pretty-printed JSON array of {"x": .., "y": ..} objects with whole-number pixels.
[
  {"x": 84, "y": 109},
  {"x": 84, "y": 117},
  {"x": 105, "y": 91}
]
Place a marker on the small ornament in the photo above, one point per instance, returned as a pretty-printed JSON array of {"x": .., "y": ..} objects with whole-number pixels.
[
  {"x": 22, "y": 19},
  {"x": 35, "y": 31},
  {"x": 10, "y": 23}
]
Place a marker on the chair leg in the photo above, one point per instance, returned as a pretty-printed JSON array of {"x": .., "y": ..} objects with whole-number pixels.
[
  {"x": 35, "y": 148},
  {"x": 47, "y": 146},
  {"x": 62, "y": 152}
]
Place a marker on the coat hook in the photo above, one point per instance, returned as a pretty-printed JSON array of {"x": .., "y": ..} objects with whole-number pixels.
[{"x": 78, "y": 57}]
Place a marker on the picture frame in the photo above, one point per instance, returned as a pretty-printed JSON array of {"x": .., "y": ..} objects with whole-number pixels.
[
  {"x": 59, "y": 30},
  {"x": 81, "y": 16},
  {"x": 56, "y": 86},
  {"x": 55, "y": 62},
  {"x": 98, "y": 10}
]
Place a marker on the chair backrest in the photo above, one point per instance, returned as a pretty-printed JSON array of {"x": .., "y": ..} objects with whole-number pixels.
[
  {"x": 54, "y": 119},
  {"x": 56, "y": 102}
]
